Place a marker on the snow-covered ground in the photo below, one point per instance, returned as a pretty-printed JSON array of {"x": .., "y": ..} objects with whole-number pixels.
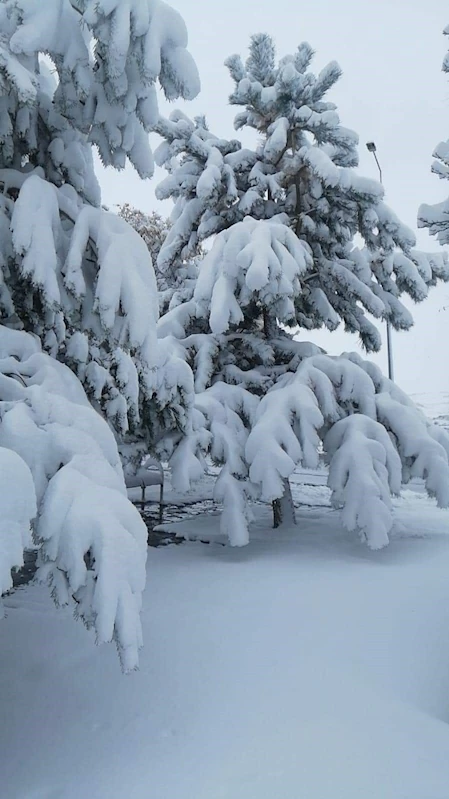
[{"x": 303, "y": 666}]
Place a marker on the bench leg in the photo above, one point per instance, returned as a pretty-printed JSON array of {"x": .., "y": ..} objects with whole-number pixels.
[
  {"x": 143, "y": 496},
  {"x": 161, "y": 508}
]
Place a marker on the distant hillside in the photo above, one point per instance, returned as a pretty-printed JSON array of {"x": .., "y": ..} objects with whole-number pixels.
[{"x": 436, "y": 406}]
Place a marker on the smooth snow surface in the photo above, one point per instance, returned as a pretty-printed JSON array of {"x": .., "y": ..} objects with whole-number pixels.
[{"x": 302, "y": 667}]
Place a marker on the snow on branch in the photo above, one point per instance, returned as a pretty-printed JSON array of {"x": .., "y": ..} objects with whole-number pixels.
[
  {"x": 436, "y": 219},
  {"x": 35, "y": 227},
  {"x": 334, "y": 176},
  {"x": 92, "y": 273},
  {"x": 422, "y": 455},
  {"x": 284, "y": 434},
  {"x": 108, "y": 57},
  {"x": 364, "y": 470},
  {"x": 125, "y": 282},
  {"x": 17, "y": 510},
  {"x": 250, "y": 261},
  {"x": 228, "y": 412},
  {"x": 201, "y": 182}
]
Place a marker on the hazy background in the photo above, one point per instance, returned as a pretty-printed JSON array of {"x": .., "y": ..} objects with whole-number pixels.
[{"x": 392, "y": 91}]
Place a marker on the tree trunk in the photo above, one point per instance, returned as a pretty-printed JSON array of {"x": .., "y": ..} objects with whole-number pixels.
[
  {"x": 283, "y": 508},
  {"x": 270, "y": 325}
]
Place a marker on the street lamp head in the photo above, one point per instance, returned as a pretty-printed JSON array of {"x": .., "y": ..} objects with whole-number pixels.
[{"x": 371, "y": 146}]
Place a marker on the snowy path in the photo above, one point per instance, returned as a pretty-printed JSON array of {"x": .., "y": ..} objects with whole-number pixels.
[{"x": 302, "y": 667}]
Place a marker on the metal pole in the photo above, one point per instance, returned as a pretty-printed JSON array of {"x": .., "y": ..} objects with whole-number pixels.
[
  {"x": 372, "y": 149},
  {"x": 378, "y": 166}
]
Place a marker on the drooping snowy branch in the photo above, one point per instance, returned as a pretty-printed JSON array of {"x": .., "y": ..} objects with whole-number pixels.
[
  {"x": 253, "y": 262},
  {"x": 373, "y": 436},
  {"x": 108, "y": 57},
  {"x": 92, "y": 542},
  {"x": 364, "y": 470},
  {"x": 18, "y": 509},
  {"x": 228, "y": 412},
  {"x": 92, "y": 274}
]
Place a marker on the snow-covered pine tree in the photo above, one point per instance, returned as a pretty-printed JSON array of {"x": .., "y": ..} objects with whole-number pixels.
[
  {"x": 264, "y": 402},
  {"x": 152, "y": 228},
  {"x": 76, "y": 283},
  {"x": 303, "y": 171}
]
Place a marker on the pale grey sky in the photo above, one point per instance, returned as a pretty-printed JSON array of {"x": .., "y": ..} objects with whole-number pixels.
[{"x": 392, "y": 91}]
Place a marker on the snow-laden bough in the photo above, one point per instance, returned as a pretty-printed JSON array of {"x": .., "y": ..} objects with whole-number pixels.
[{"x": 62, "y": 478}]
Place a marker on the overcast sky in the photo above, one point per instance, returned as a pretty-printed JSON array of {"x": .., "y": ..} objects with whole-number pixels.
[{"x": 392, "y": 91}]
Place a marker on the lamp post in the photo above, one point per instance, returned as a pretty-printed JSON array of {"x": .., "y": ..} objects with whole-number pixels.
[{"x": 371, "y": 147}]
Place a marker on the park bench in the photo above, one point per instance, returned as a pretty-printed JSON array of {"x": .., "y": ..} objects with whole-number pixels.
[{"x": 150, "y": 473}]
